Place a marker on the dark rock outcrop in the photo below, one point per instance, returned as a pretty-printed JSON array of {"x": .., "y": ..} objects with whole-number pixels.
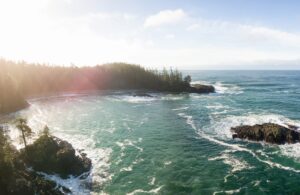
[
  {"x": 27, "y": 183},
  {"x": 16, "y": 179},
  {"x": 198, "y": 88},
  {"x": 52, "y": 155},
  {"x": 268, "y": 132}
]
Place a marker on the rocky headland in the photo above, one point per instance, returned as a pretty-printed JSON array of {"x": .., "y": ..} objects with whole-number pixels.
[{"x": 20, "y": 170}]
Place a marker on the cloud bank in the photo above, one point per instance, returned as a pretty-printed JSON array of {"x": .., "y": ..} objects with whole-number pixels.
[
  {"x": 165, "y": 17},
  {"x": 34, "y": 31}
]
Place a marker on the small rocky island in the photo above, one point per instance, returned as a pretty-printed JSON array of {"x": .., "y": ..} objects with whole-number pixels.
[
  {"x": 268, "y": 132},
  {"x": 199, "y": 88}
]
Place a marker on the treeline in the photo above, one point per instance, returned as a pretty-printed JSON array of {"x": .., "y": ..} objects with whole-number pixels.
[{"x": 38, "y": 79}]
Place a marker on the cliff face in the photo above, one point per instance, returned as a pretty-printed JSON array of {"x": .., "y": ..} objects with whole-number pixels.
[{"x": 11, "y": 99}]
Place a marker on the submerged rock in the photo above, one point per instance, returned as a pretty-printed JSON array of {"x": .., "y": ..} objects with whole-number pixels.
[
  {"x": 268, "y": 132},
  {"x": 52, "y": 155},
  {"x": 198, "y": 88}
]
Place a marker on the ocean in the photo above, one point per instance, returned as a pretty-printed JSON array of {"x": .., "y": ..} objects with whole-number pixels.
[{"x": 179, "y": 143}]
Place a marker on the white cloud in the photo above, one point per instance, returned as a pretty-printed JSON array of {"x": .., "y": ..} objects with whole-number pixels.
[
  {"x": 32, "y": 34},
  {"x": 165, "y": 17},
  {"x": 170, "y": 36},
  {"x": 269, "y": 34},
  {"x": 249, "y": 33},
  {"x": 193, "y": 27},
  {"x": 88, "y": 38}
]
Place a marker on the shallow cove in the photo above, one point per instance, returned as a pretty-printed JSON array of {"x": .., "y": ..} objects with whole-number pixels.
[{"x": 180, "y": 144}]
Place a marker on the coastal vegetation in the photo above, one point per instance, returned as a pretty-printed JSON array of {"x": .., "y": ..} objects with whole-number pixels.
[
  {"x": 11, "y": 98},
  {"x": 47, "y": 154},
  {"x": 18, "y": 80},
  {"x": 24, "y": 129},
  {"x": 36, "y": 79}
]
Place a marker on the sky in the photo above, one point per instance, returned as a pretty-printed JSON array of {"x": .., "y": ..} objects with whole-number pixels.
[{"x": 184, "y": 34}]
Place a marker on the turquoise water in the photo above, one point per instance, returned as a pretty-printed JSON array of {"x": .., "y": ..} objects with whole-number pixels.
[{"x": 181, "y": 144}]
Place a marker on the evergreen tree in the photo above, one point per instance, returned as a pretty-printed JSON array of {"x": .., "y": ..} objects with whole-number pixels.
[{"x": 25, "y": 130}]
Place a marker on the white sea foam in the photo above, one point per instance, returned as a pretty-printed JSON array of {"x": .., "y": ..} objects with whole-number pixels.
[
  {"x": 172, "y": 97},
  {"x": 76, "y": 185},
  {"x": 201, "y": 82},
  {"x": 236, "y": 164},
  {"x": 137, "y": 161},
  {"x": 152, "y": 181},
  {"x": 240, "y": 148},
  {"x": 132, "y": 99},
  {"x": 128, "y": 142},
  {"x": 291, "y": 150},
  {"x": 129, "y": 168},
  {"x": 236, "y": 147},
  {"x": 181, "y": 108},
  {"x": 100, "y": 157},
  {"x": 226, "y": 177},
  {"x": 100, "y": 165},
  {"x": 216, "y": 106},
  {"x": 153, "y": 191},
  {"x": 222, "y": 88},
  {"x": 138, "y": 99},
  {"x": 99, "y": 174},
  {"x": 256, "y": 182},
  {"x": 167, "y": 163},
  {"x": 189, "y": 120},
  {"x": 223, "y": 126},
  {"x": 227, "y": 88},
  {"x": 124, "y": 144},
  {"x": 228, "y": 191}
]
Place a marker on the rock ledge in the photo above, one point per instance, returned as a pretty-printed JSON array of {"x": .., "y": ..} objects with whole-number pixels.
[
  {"x": 268, "y": 132},
  {"x": 52, "y": 155}
]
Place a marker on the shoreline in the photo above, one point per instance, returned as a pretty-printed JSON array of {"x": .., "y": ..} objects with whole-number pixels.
[{"x": 57, "y": 95}]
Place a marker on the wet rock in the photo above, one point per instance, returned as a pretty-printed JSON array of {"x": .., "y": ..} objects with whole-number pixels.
[
  {"x": 292, "y": 127},
  {"x": 268, "y": 132},
  {"x": 52, "y": 155},
  {"x": 17, "y": 179},
  {"x": 198, "y": 88}
]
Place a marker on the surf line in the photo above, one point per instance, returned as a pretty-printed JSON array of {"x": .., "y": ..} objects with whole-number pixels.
[{"x": 190, "y": 122}]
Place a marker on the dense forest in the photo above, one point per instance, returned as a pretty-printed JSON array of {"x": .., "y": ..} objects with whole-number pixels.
[
  {"x": 18, "y": 80},
  {"x": 36, "y": 79}
]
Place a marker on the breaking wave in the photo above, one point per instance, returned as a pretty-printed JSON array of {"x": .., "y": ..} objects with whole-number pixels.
[
  {"x": 222, "y": 88},
  {"x": 236, "y": 147}
]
